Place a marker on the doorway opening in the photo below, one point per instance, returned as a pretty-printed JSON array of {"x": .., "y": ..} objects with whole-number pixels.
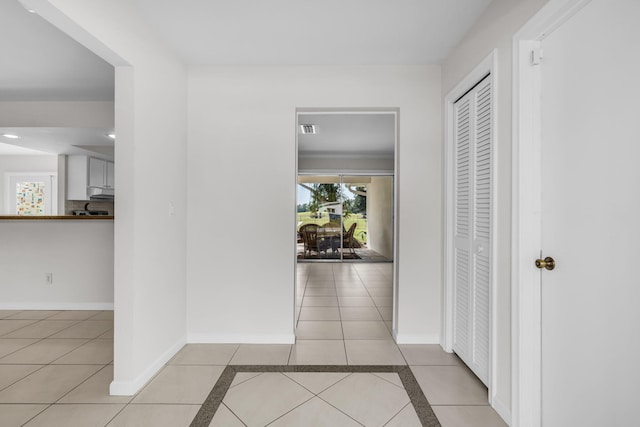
[
  {"x": 345, "y": 228},
  {"x": 345, "y": 185},
  {"x": 345, "y": 217}
]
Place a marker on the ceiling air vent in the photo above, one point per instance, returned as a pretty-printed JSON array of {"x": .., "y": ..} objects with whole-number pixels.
[{"x": 308, "y": 129}]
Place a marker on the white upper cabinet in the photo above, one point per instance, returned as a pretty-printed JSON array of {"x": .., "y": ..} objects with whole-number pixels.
[
  {"x": 85, "y": 173},
  {"x": 100, "y": 173},
  {"x": 110, "y": 173}
]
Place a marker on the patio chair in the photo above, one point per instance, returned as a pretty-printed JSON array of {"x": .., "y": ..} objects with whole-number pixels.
[
  {"x": 348, "y": 238},
  {"x": 309, "y": 234}
]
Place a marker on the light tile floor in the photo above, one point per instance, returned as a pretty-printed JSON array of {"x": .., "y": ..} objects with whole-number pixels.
[
  {"x": 316, "y": 399},
  {"x": 56, "y": 367}
]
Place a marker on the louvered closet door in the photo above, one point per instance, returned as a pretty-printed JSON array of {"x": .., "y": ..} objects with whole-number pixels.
[{"x": 472, "y": 239}]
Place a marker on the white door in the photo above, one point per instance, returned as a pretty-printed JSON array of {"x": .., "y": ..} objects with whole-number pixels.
[
  {"x": 472, "y": 228},
  {"x": 591, "y": 218}
]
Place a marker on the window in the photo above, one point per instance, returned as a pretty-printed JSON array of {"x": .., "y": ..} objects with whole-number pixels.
[{"x": 31, "y": 194}]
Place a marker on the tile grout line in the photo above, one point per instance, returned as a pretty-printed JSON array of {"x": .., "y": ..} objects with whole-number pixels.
[
  {"x": 330, "y": 404},
  {"x": 44, "y": 365},
  {"x": 292, "y": 409},
  {"x": 81, "y": 382},
  {"x": 22, "y": 348},
  {"x": 384, "y": 379},
  {"x": 234, "y": 414},
  {"x": 44, "y": 409},
  {"x": 397, "y": 413},
  {"x": 22, "y": 378},
  {"x": 475, "y": 405},
  {"x": 101, "y": 366},
  {"x": 344, "y": 341}
]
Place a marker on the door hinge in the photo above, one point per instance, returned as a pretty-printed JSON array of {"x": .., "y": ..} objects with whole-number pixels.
[{"x": 536, "y": 56}]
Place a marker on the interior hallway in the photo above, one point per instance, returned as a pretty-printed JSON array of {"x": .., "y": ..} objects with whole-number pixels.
[{"x": 56, "y": 367}]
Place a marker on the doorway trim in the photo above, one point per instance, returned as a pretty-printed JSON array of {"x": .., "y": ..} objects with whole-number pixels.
[
  {"x": 488, "y": 66},
  {"x": 526, "y": 232},
  {"x": 395, "y": 173}
]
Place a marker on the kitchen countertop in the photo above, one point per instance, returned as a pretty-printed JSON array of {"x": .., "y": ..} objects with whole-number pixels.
[{"x": 55, "y": 217}]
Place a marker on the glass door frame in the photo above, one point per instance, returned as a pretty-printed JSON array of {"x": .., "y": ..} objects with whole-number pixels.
[
  {"x": 339, "y": 203},
  {"x": 332, "y": 176}
]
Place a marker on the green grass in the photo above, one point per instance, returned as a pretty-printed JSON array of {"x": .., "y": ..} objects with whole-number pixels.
[{"x": 361, "y": 229}]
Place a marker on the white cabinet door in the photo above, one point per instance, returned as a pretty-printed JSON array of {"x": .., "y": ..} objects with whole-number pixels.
[
  {"x": 472, "y": 234},
  {"x": 77, "y": 177},
  {"x": 97, "y": 172},
  {"x": 110, "y": 174}
]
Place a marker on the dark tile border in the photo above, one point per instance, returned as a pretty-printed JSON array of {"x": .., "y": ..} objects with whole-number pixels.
[{"x": 418, "y": 400}]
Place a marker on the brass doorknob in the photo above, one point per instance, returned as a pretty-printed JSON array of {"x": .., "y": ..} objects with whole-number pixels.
[{"x": 548, "y": 263}]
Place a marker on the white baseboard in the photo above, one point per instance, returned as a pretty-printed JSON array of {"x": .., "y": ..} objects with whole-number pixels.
[
  {"x": 241, "y": 339},
  {"x": 503, "y": 410},
  {"x": 56, "y": 306},
  {"x": 129, "y": 388},
  {"x": 417, "y": 338}
]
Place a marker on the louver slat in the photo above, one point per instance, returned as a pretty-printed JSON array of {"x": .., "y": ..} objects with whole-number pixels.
[
  {"x": 482, "y": 188},
  {"x": 462, "y": 308},
  {"x": 481, "y": 320},
  {"x": 463, "y": 172}
]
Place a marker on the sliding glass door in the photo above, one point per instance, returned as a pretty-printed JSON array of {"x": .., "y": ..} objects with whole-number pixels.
[{"x": 345, "y": 217}]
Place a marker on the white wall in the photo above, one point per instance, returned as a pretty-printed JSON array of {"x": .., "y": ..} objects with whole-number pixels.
[
  {"x": 56, "y": 114},
  {"x": 494, "y": 30},
  {"x": 79, "y": 253},
  {"x": 44, "y": 163},
  {"x": 380, "y": 215},
  {"x": 242, "y": 160},
  {"x": 150, "y": 227},
  {"x": 345, "y": 164}
]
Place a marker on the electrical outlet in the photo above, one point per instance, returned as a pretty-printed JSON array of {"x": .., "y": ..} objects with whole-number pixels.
[{"x": 49, "y": 277}]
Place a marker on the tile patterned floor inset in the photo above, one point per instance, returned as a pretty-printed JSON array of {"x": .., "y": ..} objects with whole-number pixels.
[
  {"x": 377, "y": 402},
  {"x": 225, "y": 418},
  {"x": 315, "y": 413},
  {"x": 316, "y": 383},
  {"x": 263, "y": 399},
  {"x": 321, "y": 395}
]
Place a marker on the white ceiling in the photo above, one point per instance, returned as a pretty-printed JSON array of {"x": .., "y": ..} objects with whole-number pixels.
[
  {"x": 316, "y": 32},
  {"x": 15, "y": 150},
  {"x": 58, "y": 140},
  {"x": 370, "y": 134},
  {"x": 40, "y": 63}
]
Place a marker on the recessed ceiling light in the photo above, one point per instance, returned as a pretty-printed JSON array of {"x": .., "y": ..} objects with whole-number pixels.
[
  {"x": 10, "y": 135},
  {"x": 308, "y": 129},
  {"x": 111, "y": 135}
]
